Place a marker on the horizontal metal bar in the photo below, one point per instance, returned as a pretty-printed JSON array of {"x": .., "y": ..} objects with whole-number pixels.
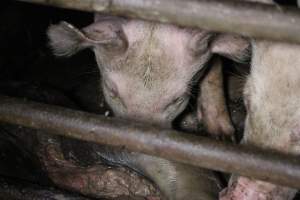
[
  {"x": 199, "y": 151},
  {"x": 245, "y": 18}
]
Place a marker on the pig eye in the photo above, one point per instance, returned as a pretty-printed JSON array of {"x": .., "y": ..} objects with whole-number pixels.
[
  {"x": 113, "y": 93},
  {"x": 176, "y": 102}
]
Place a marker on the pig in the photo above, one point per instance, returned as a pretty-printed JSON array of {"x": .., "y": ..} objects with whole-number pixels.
[
  {"x": 147, "y": 72},
  {"x": 272, "y": 99}
]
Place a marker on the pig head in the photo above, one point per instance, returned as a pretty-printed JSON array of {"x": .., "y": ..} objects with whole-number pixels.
[{"x": 148, "y": 70}]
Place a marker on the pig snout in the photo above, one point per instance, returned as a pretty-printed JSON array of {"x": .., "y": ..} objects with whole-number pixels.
[{"x": 152, "y": 118}]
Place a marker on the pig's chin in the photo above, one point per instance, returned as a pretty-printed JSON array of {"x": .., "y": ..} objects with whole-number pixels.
[
  {"x": 145, "y": 120},
  {"x": 151, "y": 122}
]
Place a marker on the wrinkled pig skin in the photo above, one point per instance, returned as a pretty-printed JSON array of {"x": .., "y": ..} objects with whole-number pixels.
[
  {"x": 272, "y": 100},
  {"x": 147, "y": 70}
]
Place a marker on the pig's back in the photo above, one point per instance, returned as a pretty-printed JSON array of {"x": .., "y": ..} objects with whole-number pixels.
[{"x": 274, "y": 85}]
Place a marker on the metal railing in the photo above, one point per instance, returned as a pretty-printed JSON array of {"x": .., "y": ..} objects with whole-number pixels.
[
  {"x": 173, "y": 145},
  {"x": 246, "y": 18}
]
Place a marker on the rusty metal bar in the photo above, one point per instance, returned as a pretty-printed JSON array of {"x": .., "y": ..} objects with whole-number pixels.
[
  {"x": 245, "y": 18},
  {"x": 199, "y": 151}
]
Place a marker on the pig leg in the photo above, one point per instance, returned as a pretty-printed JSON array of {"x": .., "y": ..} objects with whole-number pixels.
[{"x": 212, "y": 109}]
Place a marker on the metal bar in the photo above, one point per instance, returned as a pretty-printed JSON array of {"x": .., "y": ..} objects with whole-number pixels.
[
  {"x": 245, "y": 18},
  {"x": 199, "y": 151}
]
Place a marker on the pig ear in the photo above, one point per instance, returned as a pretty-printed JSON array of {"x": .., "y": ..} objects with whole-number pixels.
[
  {"x": 234, "y": 47},
  {"x": 66, "y": 40}
]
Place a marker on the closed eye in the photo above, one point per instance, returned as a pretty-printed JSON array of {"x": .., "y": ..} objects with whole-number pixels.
[
  {"x": 175, "y": 102},
  {"x": 113, "y": 92}
]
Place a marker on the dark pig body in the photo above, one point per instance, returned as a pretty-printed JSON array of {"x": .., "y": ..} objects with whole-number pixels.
[{"x": 147, "y": 72}]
